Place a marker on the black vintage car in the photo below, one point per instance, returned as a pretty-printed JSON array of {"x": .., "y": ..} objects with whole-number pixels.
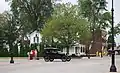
[{"x": 53, "y": 53}]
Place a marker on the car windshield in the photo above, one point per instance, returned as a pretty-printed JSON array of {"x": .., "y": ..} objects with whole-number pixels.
[
  {"x": 53, "y": 50},
  {"x": 56, "y": 51}
]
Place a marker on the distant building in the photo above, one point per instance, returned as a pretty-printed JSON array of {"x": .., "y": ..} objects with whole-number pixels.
[
  {"x": 35, "y": 37},
  {"x": 77, "y": 49},
  {"x": 32, "y": 38},
  {"x": 100, "y": 42}
]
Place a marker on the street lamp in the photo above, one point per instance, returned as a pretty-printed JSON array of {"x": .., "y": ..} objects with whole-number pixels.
[
  {"x": 11, "y": 60},
  {"x": 113, "y": 67},
  {"x": 11, "y": 52}
]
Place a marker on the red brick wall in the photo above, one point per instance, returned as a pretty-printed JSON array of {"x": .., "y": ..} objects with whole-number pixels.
[{"x": 97, "y": 44}]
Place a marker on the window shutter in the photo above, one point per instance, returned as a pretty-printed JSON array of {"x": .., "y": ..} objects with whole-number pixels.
[{"x": 34, "y": 39}]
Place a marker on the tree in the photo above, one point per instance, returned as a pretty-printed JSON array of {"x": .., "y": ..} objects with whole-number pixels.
[
  {"x": 2, "y": 35},
  {"x": 31, "y": 14},
  {"x": 9, "y": 29},
  {"x": 93, "y": 11},
  {"x": 116, "y": 32},
  {"x": 66, "y": 26},
  {"x": 2, "y": 20},
  {"x": 97, "y": 15}
]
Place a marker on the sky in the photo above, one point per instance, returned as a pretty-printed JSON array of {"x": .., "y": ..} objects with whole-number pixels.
[{"x": 5, "y": 6}]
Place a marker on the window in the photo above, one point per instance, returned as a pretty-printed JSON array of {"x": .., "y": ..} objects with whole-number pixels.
[
  {"x": 76, "y": 50},
  {"x": 36, "y": 39},
  {"x": 81, "y": 49}
]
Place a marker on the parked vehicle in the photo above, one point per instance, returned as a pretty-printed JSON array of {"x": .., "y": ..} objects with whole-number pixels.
[{"x": 53, "y": 53}]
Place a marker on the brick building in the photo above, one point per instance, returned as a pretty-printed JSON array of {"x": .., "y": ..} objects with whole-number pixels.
[{"x": 100, "y": 41}]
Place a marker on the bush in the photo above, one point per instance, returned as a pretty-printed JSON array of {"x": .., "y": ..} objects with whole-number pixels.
[{"x": 4, "y": 52}]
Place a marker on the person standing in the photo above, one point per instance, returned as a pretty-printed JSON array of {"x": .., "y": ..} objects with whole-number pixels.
[
  {"x": 35, "y": 51},
  {"x": 28, "y": 54},
  {"x": 31, "y": 55}
]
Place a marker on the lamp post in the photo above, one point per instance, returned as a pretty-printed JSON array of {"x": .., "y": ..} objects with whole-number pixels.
[
  {"x": 11, "y": 51},
  {"x": 11, "y": 60},
  {"x": 113, "y": 67}
]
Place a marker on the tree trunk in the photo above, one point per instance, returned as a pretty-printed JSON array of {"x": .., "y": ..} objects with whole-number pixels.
[
  {"x": 67, "y": 49},
  {"x": 97, "y": 43}
]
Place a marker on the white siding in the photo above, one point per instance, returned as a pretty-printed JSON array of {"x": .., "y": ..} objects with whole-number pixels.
[
  {"x": 71, "y": 51},
  {"x": 32, "y": 35},
  {"x": 79, "y": 51}
]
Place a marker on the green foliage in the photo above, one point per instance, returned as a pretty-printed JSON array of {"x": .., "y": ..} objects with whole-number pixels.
[
  {"x": 97, "y": 15},
  {"x": 25, "y": 17},
  {"x": 8, "y": 29},
  {"x": 95, "y": 12},
  {"x": 66, "y": 26},
  {"x": 116, "y": 30},
  {"x": 15, "y": 50},
  {"x": 32, "y": 14},
  {"x": 4, "y": 52},
  {"x": 110, "y": 42},
  {"x": 105, "y": 20}
]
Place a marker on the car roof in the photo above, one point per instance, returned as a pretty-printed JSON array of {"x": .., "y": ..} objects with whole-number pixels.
[{"x": 50, "y": 48}]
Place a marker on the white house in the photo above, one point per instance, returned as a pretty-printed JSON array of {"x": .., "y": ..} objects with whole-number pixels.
[
  {"x": 35, "y": 37},
  {"x": 77, "y": 49}
]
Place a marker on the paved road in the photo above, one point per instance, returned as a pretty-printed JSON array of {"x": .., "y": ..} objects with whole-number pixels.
[{"x": 84, "y": 65}]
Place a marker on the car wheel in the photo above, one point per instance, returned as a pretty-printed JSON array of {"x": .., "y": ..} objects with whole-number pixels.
[
  {"x": 46, "y": 59},
  {"x": 51, "y": 60},
  {"x": 68, "y": 58},
  {"x": 64, "y": 59}
]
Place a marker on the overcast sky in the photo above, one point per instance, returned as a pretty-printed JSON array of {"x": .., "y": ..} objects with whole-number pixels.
[{"x": 4, "y": 6}]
